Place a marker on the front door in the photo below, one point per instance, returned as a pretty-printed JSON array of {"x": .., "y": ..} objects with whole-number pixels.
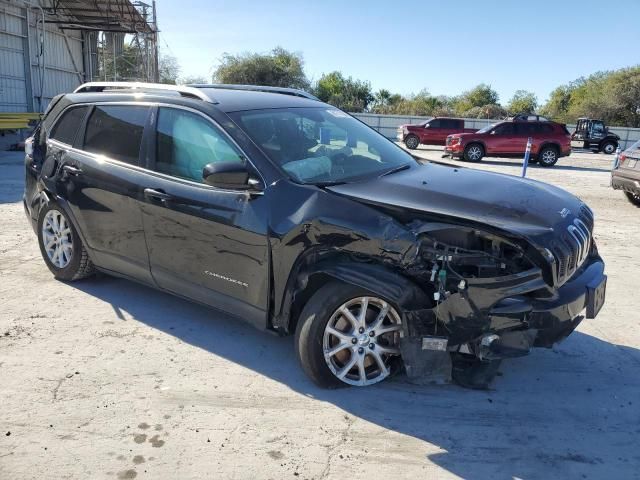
[
  {"x": 501, "y": 139},
  {"x": 204, "y": 243}
]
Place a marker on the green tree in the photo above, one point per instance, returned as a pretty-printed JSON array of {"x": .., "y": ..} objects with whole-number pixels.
[
  {"x": 522, "y": 102},
  {"x": 344, "y": 92},
  {"x": 558, "y": 104},
  {"x": 168, "y": 68},
  {"x": 610, "y": 96},
  {"x": 478, "y": 96},
  {"x": 278, "y": 68},
  {"x": 193, "y": 80}
]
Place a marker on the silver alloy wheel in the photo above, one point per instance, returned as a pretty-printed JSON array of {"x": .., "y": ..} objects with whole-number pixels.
[
  {"x": 412, "y": 142},
  {"x": 474, "y": 153},
  {"x": 360, "y": 339},
  {"x": 609, "y": 148},
  {"x": 548, "y": 156},
  {"x": 57, "y": 239}
]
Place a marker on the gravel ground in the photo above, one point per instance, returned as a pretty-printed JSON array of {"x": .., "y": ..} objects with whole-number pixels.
[{"x": 108, "y": 379}]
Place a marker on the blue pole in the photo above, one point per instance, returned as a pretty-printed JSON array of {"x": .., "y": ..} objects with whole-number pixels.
[{"x": 527, "y": 154}]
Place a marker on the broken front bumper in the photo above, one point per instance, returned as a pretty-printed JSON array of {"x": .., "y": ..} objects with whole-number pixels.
[{"x": 495, "y": 319}]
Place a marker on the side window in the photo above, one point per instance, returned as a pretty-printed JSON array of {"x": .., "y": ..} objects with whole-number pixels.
[
  {"x": 67, "y": 127},
  {"x": 504, "y": 129},
  {"x": 115, "y": 131},
  {"x": 435, "y": 124},
  {"x": 545, "y": 128},
  {"x": 525, "y": 128},
  {"x": 186, "y": 142}
]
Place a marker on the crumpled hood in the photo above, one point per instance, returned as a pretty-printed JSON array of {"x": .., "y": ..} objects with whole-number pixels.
[{"x": 527, "y": 207}]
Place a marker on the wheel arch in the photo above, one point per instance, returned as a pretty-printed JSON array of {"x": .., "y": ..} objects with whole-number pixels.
[
  {"x": 47, "y": 198},
  {"x": 477, "y": 142},
  {"x": 552, "y": 144},
  {"x": 378, "y": 278}
]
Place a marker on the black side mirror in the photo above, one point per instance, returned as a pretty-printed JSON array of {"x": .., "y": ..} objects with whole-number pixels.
[{"x": 229, "y": 175}]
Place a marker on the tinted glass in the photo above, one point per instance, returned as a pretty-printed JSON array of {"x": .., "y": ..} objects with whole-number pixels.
[
  {"x": 115, "y": 131},
  {"x": 524, "y": 128},
  {"x": 545, "y": 128},
  {"x": 186, "y": 142},
  {"x": 321, "y": 145},
  {"x": 435, "y": 124},
  {"x": 504, "y": 129},
  {"x": 66, "y": 128}
]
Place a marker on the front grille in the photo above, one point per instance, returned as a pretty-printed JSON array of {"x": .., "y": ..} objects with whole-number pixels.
[{"x": 571, "y": 248}]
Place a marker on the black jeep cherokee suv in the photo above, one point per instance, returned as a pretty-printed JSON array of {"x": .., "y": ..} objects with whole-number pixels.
[{"x": 294, "y": 216}]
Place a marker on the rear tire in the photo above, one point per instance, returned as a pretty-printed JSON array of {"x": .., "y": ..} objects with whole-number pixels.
[
  {"x": 412, "y": 142},
  {"x": 60, "y": 245},
  {"x": 548, "y": 156},
  {"x": 337, "y": 350},
  {"x": 608, "y": 147},
  {"x": 633, "y": 198},
  {"x": 473, "y": 152}
]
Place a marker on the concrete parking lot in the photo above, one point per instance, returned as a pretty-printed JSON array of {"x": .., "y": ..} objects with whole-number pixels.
[{"x": 108, "y": 379}]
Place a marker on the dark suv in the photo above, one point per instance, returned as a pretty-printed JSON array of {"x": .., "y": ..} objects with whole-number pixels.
[{"x": 294, "y": 216}]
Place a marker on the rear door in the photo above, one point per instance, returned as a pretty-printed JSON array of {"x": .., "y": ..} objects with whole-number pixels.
[
  {"x": 100, "y": 180},
  {"x": 204, "y": 243},
  {"x": 523, "y": 131}
]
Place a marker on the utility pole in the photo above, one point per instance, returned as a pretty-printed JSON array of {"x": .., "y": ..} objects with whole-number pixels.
[{"x": 156, "y": 73}]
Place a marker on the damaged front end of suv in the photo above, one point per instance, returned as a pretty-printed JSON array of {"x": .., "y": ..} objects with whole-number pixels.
[
  {"x": 493, "y": 298},
  {"x": 474, "y": 282}
]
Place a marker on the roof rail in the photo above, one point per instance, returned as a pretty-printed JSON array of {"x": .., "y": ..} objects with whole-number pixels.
[
  {"x": 259, "y": 88},
  {"x": 185, "y": 91}
]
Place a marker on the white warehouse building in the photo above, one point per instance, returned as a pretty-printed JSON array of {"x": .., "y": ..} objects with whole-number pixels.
[{"x": 51, "y": 46}]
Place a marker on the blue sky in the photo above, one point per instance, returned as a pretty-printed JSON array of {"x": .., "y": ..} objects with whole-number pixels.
[{"x": 445, "y": 47}]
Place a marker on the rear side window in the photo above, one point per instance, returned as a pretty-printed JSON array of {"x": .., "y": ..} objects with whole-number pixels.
[
  {"x": 545, "y": 128},
  {"x": 187, "y": 142},
  {"x": 67, "y": 127},
  {"x": 115, "y": 131}
]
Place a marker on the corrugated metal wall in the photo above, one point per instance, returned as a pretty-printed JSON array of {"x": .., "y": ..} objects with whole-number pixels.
[
  {"x": 13, "y": 71},
  {"x": 22, "y": 55},
  {"x": 388, "y": 125}
]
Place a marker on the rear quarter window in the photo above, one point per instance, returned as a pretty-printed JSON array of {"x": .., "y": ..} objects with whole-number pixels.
[
  {"x": 66, "y": 129},
  {"x": 115, "y": 131}
]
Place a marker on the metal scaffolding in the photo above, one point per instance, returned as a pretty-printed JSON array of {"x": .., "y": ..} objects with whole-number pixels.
[{"x": 121, "y": 36}]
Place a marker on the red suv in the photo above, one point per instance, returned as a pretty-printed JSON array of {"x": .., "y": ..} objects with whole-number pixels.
[
  {"x": 431, "y": 132},
  {"x": 550, "y": 141}
]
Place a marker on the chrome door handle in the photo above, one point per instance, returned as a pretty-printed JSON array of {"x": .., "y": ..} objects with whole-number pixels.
[
  {"x": 71, "y": 170},
  {"x": 157, "y": 194}
]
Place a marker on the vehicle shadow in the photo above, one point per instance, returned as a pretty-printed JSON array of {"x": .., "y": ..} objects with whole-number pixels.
[{"x": 570, "y": 412}]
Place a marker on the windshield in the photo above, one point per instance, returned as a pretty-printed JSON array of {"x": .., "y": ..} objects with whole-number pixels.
[
  {"x": 487, "y": 128},
  {"x": 321, "y": 145}
]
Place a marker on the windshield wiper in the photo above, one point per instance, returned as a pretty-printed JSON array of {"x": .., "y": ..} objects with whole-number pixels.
[
  {"x": 396, "y": 169},
  {"x": 328, "y": 183}
]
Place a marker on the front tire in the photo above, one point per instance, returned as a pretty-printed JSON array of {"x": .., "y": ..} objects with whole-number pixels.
[
  {"x": 60, "y": 245},
  {"x": 473, "y": 152},
  {"x": 412, "y": 142},
  {"x": 608, "y": 148},
  {"x": 548, "y": 156},
  {"x": 348, "y": 336}
]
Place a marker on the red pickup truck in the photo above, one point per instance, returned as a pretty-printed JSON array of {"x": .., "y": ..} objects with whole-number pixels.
[{"x": 431, "y": 132}]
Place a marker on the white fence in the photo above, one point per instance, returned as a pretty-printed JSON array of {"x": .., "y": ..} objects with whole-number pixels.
[{"x": 387, "y": 125}]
